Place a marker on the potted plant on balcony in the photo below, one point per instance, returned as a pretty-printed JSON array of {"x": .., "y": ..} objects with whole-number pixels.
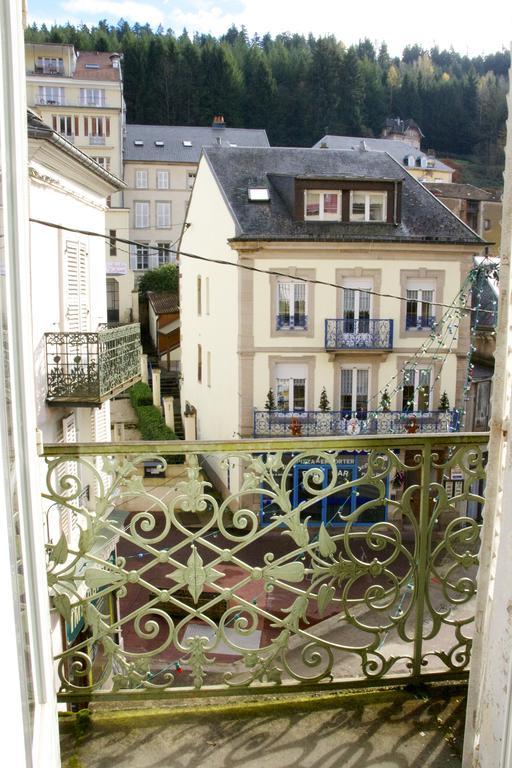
[
  {"x": 445, "y": 416},
  {"x": 323, "y": 419},
  {"x": 382, "y": 417}
]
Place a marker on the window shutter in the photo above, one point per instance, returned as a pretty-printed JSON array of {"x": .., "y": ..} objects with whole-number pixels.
[
  {"x": 133, "y": 257},
  {"x": 107, "y": 126},
  {"x": 54, "y": 122},
  {"x": 86, "y": 126},
  {"x": 77, "y": 121},
  {"x": 153, "y": 258}
]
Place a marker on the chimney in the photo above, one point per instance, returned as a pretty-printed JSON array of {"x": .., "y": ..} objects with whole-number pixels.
[
  {"x": 115, "y": 59},
  {"x": 218, "y": 122}
]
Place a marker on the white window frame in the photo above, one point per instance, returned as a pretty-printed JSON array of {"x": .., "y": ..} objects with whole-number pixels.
[
  {"x": 354, "y": 371},
  {"x": 163, "y": 214},
  {"x": 142, "y": 256},
  {"x": 322, "y": 214},
  {"x": 417, "y": 375},
  {"x": 141, "y": 178},
  {"x": 368, "y": 195},
  {"x": 141, "y": 214},
  {"x": 162, "y": 179},
  {"x": 295, "y": 288},
  {"x": 92, "y": 97},
  {"x": 51, "y": 94},
  {"x": 191, "y": 177},
  {"x": 290, "y": 376},
  {"x": 164, "y": 257},
  {"x": 65, "y": 121},
  {"x": 103, "y": 161},
  {"x": 426, "y": 295}
]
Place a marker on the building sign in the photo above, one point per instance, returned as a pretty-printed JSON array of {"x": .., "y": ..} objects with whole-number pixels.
[{"x": 116, "y": 268}]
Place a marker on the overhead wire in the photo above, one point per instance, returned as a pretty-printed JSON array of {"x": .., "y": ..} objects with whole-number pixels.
[{"x": 224, "y": 262}]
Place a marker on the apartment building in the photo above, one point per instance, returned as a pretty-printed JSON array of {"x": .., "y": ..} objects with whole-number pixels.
[
  {"x": 358, "y": 296},
  {"x": 160, "y": 165},
  {"x": 79, "y": 94},
  {"x": 402, "y": 147}
]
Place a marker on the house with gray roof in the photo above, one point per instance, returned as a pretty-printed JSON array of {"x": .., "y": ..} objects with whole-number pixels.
[
  {"x": 320, "y": 270},
  {"x": 160, "y": 164},
  {"x": 423, "y": 165}
]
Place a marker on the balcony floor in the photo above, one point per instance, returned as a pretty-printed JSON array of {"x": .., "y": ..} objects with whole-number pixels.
[{"x": 388, "y": 729}]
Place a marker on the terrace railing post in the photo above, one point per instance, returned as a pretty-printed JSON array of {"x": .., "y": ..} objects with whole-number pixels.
[{"x": 422, "y": 549}]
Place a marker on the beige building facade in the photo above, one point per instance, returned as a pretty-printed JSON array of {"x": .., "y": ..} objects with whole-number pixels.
[
  {"x": 160, "y": 166},
  {"x": 315, "y": 311},
  {"x": 79, "y": 94}
]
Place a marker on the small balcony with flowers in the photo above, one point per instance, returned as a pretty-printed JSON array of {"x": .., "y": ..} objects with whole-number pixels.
[{"x": 88, "y": 368}]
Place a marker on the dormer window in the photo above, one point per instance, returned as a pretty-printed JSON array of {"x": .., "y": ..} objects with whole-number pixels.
[
  {"x": 368, "y": 206},
  {"x": 322, "y": 205}
]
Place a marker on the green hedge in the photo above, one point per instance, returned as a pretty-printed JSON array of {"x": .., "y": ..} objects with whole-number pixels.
[
  {"x": 140, "y": 394},
  {"x": 151, "y": 423}
]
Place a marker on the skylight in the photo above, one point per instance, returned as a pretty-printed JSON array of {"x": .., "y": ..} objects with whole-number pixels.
[
  {"x": 92, "y": 66},
  {"x": 138, "y": 143},
  {"x": 187, "y": 143},
  {"x": 159, "y": 144},
  {"x": 258, "y": 194}
]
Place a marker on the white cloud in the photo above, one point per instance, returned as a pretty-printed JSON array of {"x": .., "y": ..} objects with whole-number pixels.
[
  {"x": 130, "y": 10},
  {"x": 378, "y": 21}
]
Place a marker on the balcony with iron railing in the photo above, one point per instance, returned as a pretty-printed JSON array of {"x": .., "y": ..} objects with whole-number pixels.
[
  {"x": 419, "y": 322},
  {"x": 87, "y": 368},
  {"x": 356, "y": 334},
  {"x": 97, "y": 140},
  {"x": 289, "y": 322},
  {"x": 309, "y": 565},
  {"x": 279, "y": 423}
]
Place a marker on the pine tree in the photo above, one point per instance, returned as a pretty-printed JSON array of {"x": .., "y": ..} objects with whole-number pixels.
[
  {"x": 324, "y": 401},
  {"x": 270, "y": 404},
  {"x": 385, "y": 401},
  {"x": 444, "y": 403}
]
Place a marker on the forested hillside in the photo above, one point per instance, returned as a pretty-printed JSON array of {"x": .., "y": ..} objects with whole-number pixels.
[{"x": 299, "y": 88}]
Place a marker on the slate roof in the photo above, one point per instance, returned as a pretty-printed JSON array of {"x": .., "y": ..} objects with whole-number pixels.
[
  {"x": 173, "y": 136},
  {"x": 424, "y": 218},
  {"x": 164, "y": 303},
  {"x": 397, "y": 149},
  {"x": 458, "y": 191}
]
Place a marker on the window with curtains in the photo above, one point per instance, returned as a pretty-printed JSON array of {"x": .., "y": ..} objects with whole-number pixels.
[
  {"x": 354, "y": 391},
  {"x": 322, "y": 205},
  {"x": 368, "y": 206},
  {"x": 416, "y": 389},
  {"x": 291, "y": 394},
  {"x": 92, "y": 97},
  {"x": 356, "y": 307},
  {"x": 291, "y": 306},
  {"x": 50, "y": 94},
  {"x": 419, "y": 311}
]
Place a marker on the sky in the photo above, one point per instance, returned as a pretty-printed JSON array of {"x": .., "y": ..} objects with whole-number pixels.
[{"x": 468, "y": 27}]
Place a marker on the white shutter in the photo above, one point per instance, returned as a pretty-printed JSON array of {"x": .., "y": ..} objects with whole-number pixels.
[
  {"x": 76, "y": 298},
  {"x": 100, "y": 431},
  {"x": 133, "y": 257},
  {"x": 153, "y": 258}
]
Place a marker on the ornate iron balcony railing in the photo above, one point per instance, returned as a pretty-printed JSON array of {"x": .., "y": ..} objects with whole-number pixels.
[
  {"x": 89, "y": 368},
  {"x": 420, "y": 322},
  {"x": 291, "y": 322},
  {"x": 358, "y": 334},
  {"x": 317, "y": 423},
  {"x": 314, "y": 563}
]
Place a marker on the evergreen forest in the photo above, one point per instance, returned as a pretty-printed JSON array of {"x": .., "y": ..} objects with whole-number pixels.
[{"x": 300, "y": 88}]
